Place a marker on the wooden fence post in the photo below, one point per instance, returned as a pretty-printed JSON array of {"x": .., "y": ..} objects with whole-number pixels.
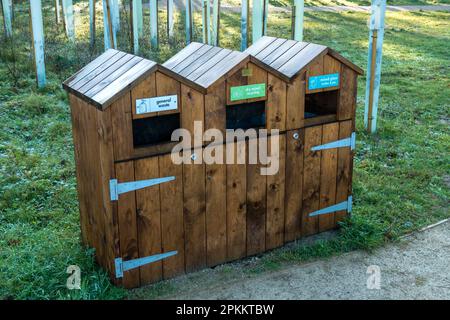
[
  {"x": 108, "y": 29},
  {"x": 188, "y": 21},
  {"x": 244, "y": 24},
  {"x": 134, "y": 25},
  {"x": 216, "y": 23},
  {"x": 139, "y": 16},
  {"x": 154, "y": 23},
  {"x": 92, "y": 22},
  {"x": 257, "y": 20},
  {"x": 298, "y": 11},
  {"x": 115, "y": 14},
  {"x": 265, "y": 15},
  {"x": 37, "y": 28},
  {"x": 169, "y": 19},
  {"x": 57, "y": 12},
  {"x": 67, "y": 7},
  {"x": 7, "y": 18},
  {"x": 376, "y": 36}
]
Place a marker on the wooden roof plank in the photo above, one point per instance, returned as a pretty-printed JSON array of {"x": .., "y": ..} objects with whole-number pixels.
[
  {"x": 302, "y": 59},
  {"x": 280, "y": 51},
  {"x": 86, "y": 70},
  {"x": 112, "y": 77},
  {"x": 208, "y": 65},
  {"x": 99, "y": 70},
  {"x": 273, "y": 47},
  {"x": 295, "y": 49},
  {"x": 192, "y": 58},
  {"x": 183, "y": 54},
  {"x": 124, "y": 82},
  {"x": 199, "y": 62},
  {"x": 262, "y": 43}
]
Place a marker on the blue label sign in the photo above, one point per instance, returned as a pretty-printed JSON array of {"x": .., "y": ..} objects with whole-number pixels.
[{"x": 323, "y": 81}]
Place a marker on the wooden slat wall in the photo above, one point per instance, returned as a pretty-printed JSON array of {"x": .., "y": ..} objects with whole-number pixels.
[
  {"x": 347, "y": 96},
  {"x": 276, "y": 103},
  {"x": 295, "y": 103}
]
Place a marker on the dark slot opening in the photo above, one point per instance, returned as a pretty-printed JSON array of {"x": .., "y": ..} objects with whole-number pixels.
[
  {"x": 321, "y": 103},
  {"x": 154, "y": 130},
  {"x": 246, "y": 115}
]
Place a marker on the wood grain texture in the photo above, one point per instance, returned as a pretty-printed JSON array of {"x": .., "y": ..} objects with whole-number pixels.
[
  {"x": 294, "y": 184},
  {"x": 145, "y": 89},
  {"x": 347, "y": 96},
  {"x": 276, "y": 194},
  {"x": 330, "y": 66},
  {"x": 192, "y": 104},
  {"x": 276, "y": 103},
  {"x": 258, "y": 75},
  {"x": 311, "y": 180},
  {"x": 295, "y": 104},
  {"x": 235, "y": 80},
  {"x": 215, "y": 112},
  {"x": 314, "y": 69},
  {"x": 172, "y": 225},
  {"x": 126, "y": 212},
  {"x": 328, "y": 173},
  {"x": 121, "y": 118},
  {"x": 148, "y": 219},
  {"x": 166, "y": 86}
]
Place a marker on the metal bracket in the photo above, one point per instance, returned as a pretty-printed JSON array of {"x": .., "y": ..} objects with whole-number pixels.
[
  {"x": 347, "y": 142},
  {"x": 345, "y": 205},
  {"x": 116, "y": 188},
  {"x": 122, "y": 266}
]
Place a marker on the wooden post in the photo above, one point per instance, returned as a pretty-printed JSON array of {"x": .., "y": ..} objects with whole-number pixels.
[
  {"x": 188, "y": 21},
  {"x": 67, "y": 7},
  {"x": 92, "y": 22},
  {"x": 257, "y": 20},
  {"x": 7, "y": 18},
  {"x": 265, "y": 15},
  {"x": 215, "y": 23},
  {"x": 108, "y": 26},
  {"x": 154, "y": 23},
  {"x": 57, "y": 12},
  {"x": 376, "y": 36},
  {"x": 115, "y": 14},
  {"x": 169, "y": 19},
  {"x": 298, "y": 10},
  {"x": 139, "y": 16},
  {"x": 244, "y": 24},
  {"x": 37, "y": 28},
  {"x": 205, "y": 20},
  {"x": 134, "y": 25}
]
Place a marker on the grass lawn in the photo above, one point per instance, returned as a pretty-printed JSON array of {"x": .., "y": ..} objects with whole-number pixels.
[{"x": 402, "y": 174}]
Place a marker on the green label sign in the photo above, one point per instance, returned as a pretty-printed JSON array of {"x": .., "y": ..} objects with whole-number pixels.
[{"x": 248, "y": 92}]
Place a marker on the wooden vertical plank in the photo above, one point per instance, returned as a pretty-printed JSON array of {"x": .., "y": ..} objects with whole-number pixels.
[
  {"x": 315, "y": 69},
  {"x": 215, "y": 112},
  {"x": 299, "y": 10},
  {"x": 67, "y": 7},
  {"x": 347, "y": 95},
  {"x": 257, "y": 20},
  {"x": 115, "y": 4},
  {"x": 126, "y": 212},
  {"x": 134, "y": 25},
  {"x": 194, "y": 215},
  {"x": 7, "y": 18},
  {"x": 295, "y": 110},
  {"x": 154, "y": 24},
  {"x": 330, "y": 66},
  {"x": 172, "y": 226},
  {"x": 276, "y": 103},
  {"x": 108, "y": 44},
  {"x": 38, "y": 41},
  {"x": 121, "y": 118},
  {"x": 276, "y": 195},
  {"x": 295, "y": 140},
  {"x": 311, "y": 180},
  {"x": 188, "y": 15},
  {"x": 57, "y": 12},
  {"x": 257, "y": 75},
  {"x": 170, "y": 19},
  {"x": 216, "y": 214},
  {"x": 344, "y": 169},
  {"x": 166, "y": 86},
  {"x": 192, "y": 104},
  {"x": 139, "y": 17},
  {"x": 328, "y": 173},
  {"x": 235, "y": 80},
  {"x": 256, "y": 207},
  {"x": 245, "y": 5},
  {"x": 216, "y": 23},
  {"x": 236, "y": 208},
  {"x": 148, "y": 218},
  {"x": 91, "y": 21},
  {"x": 145, "y": 89}
]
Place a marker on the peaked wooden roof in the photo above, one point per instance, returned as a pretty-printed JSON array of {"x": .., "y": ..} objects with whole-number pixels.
[
  {"x": 204, "y": 65},
  {"x": 108, "y": 76},
  {"x": 287, "y": 58}
]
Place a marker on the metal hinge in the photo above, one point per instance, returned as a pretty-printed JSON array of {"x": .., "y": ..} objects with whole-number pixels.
[
  {"x": 122, "y": 266},
  {"x": 116, "y": 188},
  {"x": 345, "y": 205},
  {"x": 347, "y": 142}
]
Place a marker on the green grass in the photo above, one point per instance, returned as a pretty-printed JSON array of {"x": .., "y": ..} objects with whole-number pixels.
[{"x": 402, "y": 174}]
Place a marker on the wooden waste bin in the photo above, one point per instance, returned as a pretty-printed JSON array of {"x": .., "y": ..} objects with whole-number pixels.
[{"x": 151, "y": 219}]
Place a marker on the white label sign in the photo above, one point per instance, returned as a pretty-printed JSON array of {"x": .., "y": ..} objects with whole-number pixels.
[{"x": 156, "y": 104}]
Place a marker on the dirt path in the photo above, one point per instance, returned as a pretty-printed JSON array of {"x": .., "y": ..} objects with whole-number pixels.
[{"x": 416, "y": 268}]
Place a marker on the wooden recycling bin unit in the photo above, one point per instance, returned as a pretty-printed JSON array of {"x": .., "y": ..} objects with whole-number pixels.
[{"x": 151, "y": 219}]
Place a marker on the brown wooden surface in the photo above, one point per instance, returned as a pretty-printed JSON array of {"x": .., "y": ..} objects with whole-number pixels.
[
  {"x": 215, "y": 112},
  {"x": 192, "y": 103},
  {"x": 126, "y": 212},
  {"x": 194, "y": 216},
  {"x": 182, "y": 55},
  {"x": 347, "y": 96},
  {"x": 314, "y": 69},
  {"x": 311, "y": 180},
  {"x": 276, "y": 103},
  {"x": 278, "y": 52},
  {"x": 330, "y": 66},
  {"x": 216, "y": 214},
  {"x": 328, "y": 174},
  {"x": 256, "y": 207},
  {"x": 276, "y": 194},
  {"x": 145, "y": 89},
  {"x": 121, "y": 118},
  {"x": 235, "y": 80},
  {"x": 295, "y": 105},
  {"x": 236, "y": 209},
  {"x": 258, "y": 75},
  {"x": 148, "y": 219},
  {"x": 166, "y": 86},
  {"x": 294, "y": 184},
  {"x": 172, "y": 225},
  {"x": 344, "y": 165}
]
